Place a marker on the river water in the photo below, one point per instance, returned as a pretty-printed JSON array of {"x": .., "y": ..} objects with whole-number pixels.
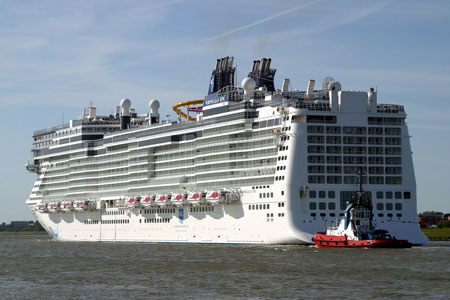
[{"x": 36, "y": 267}]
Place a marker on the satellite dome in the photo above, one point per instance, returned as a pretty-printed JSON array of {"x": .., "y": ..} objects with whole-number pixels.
[
  {"x": 154, "y": 105},
  {"x": 248, "y": 84},
  {"x": 335, "y": 85},
  {"x": 125, "y": 103}
]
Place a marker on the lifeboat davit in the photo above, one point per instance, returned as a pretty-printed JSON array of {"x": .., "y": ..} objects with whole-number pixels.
[{"x": 232, "y": 196}]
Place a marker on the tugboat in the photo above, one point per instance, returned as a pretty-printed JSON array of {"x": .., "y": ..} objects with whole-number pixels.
[{"x": 356, "y": 229}]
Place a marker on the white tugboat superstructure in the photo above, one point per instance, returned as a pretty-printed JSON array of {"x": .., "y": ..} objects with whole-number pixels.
[{"x": 249, "y": 165}]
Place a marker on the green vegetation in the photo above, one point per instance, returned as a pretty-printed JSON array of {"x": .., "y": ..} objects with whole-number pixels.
[
  {"x": 444, "y": 224},
  {"x": 21, "y": 228},
  {"x": 437, "y": 234}
]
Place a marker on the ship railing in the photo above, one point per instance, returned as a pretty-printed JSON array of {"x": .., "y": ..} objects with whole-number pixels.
[
  {"x": 51, "y": 129},
  {"x": 390, "y": 108}
]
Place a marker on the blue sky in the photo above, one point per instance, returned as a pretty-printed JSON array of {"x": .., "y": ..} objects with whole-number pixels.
[{"x": 57, "y": 56}]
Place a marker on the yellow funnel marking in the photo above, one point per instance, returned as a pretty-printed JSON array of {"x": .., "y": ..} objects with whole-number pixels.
[{"x": 186, "y": 103}]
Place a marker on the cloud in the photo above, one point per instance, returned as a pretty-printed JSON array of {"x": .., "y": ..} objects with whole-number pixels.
[{"x": 277, "y": 15}]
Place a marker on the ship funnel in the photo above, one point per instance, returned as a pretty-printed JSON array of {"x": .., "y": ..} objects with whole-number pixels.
[
  {"x": 310, "y": 90},
  {"x": 263, "y": 74},
  {"x": 222, "y": 75},
  {"x": 286, "y": 83}
]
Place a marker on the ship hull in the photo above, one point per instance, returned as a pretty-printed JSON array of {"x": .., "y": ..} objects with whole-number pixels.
[{"x": 209, "y": 224}]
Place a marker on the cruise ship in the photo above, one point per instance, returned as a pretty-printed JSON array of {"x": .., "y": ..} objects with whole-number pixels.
[{"x": 250, "y": 164}]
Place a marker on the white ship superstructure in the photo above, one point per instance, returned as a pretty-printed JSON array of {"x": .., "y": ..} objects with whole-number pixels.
[{"x": 243, "y": 165}]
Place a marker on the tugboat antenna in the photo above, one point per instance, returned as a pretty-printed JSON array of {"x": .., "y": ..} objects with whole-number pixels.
[{"x": 360, "y": 182}]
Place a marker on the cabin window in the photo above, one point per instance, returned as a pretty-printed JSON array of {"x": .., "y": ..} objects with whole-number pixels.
[
  {"x": 388, "y": 195},
  {"x": 398, "y": 195},
  {"x": 379, "y": 195},
  {"x": 312, "y": 205},
  {"x": 380, "y": 206},
  {"x": 407, "y": 195},
  {"x": 312, "y": 194},
  {"x": 322, "y": 194},
  {"x": 398, "y": 206},
  {"x": 331, "y": 194},
  {"x": 389, "y": 206},
  {"x": 322, "y": 205},
  {"x": 331, "y": 205}
]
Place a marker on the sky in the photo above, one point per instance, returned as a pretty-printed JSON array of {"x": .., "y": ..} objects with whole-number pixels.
[{"x": 58, "y": 56}]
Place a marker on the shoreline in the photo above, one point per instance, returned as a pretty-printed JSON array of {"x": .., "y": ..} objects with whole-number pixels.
[
  {"x": 23, "y": 233},
  {"x": 437, "y": 234}
]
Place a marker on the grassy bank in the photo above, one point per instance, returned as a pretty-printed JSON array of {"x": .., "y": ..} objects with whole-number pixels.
[{"x": 437, "y": 234}]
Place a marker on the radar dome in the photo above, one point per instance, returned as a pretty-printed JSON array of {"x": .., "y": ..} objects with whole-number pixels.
[
  {"x": 248, "y": 84},
  {"x": 335, "y": 85},
  {"x": 154, "y": 106},
  {"x": 125, "y": 103}
]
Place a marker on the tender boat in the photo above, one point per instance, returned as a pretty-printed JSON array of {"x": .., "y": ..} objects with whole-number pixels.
[
  {"x": 67, "y": 206},
  {"x": 179, "y": 199},
  {"x": 197, "y": 198},
  {"x": 356, "y": 228},
  {"x": 134, "y": 202},
  {"x": 148, "y": 201},
  {"x": 54, "y": 206},
  {"x": 83, "y": 205},
  {"x": 43, "y": 207},
  {"x": 164, "y": 200},
  {"x": 215, "y": 197}
]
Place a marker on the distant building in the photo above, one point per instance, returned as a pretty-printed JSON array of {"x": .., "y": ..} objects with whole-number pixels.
[{"x": 430, "y": 219}]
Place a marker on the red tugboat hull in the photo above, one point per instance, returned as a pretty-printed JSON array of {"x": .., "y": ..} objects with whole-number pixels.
[{"x": 333, "y": 241}]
